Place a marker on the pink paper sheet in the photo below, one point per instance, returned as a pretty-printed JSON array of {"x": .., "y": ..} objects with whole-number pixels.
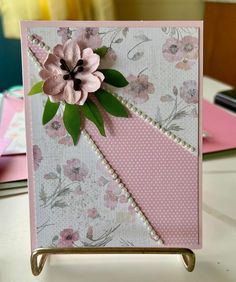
[
  {"x": 11, "y": 105},
  {"x": 13, "y": 168},
  {"x": 221, "y": 127}
]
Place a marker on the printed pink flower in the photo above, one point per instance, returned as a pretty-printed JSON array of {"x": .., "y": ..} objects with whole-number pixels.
[
  {"x": 37, "y": 156},
  {"x": 172, "y": 50},
  {"x": 92, "y": 213},
  {"x": 190, "y": 47},
  {"x": 189, "y": 92},
  {"x": 64, "y": 33},
  {"x": 68, "y": 237},
  {"x": 70, "y": 73},
  {"x": 55, "y": 128},
  {"x": 185, "y": 65},
  {"x": 75, "y": 170},
  {"x": 66, "y": 140},
  {"x": 139, "y": 88},
  {"x": 111, "y": 196},
  {"x": 123, "y": 199},
  {"x": 88, "y": 37}
]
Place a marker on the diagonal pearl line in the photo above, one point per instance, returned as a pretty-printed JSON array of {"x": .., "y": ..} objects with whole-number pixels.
[
  {"x": 154, "y": 235},
  {"x": 38, "y": 42},
  {"x": 34, "y": 58}
]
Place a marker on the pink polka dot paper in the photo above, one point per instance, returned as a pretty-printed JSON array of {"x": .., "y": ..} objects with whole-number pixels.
[{"x": 160, "y": 174}]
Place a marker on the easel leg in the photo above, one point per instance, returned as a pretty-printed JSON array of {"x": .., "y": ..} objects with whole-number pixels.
[
  {"x": 189, "y": 260},
  {"x": 39, "y": 256},
  {"x": 37, "y": 262}
]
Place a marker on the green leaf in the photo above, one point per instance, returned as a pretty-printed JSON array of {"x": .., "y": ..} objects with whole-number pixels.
[
  {"x": 36, "y": 88},
  {"x": 114, "y": 78},
  {"x": 50, "y": 110},
  {"x": 91, "y": 112},
  {"x": 110, "y": 103},
  {"x": 71, "y": 119},
  {"x": 101, "y": 51}
]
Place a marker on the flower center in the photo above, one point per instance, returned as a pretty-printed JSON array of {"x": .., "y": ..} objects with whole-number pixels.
[
  {"x": 72, "y": 73},
  {"x": 69, "y": 237},
  {"x": 56, "y": 125},
  {"x": 89, "y": 32},
  {"x": 76, "y": 169},
  {"x": 188, "y": 47},
  {"x": 173, "y": 49},
  {"x": 192, "y": 92}
]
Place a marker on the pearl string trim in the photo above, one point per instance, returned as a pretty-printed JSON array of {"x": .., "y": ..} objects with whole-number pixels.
[
  {"x": 39, "y": 43},
  {"x": 155, "y": 124},
  {"x": 34, "y": 58},
  {"x": 126, "y": 193}
]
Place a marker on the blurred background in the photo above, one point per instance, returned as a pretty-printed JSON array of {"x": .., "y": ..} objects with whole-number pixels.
[{"x": 219, "y": 19}]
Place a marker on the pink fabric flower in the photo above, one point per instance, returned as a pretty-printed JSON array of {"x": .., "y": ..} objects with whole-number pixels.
[
  {"x": 88, "y": 37},
  {"x": 190, "y": 47},
  {"x": 55, "y": 128},
  {"x": 92, "y": 213},
  {"x": 70, "y": 73},
  {"x": 111, "y": 196},
  {"x": 68, "y": 237},
  {"x": 172, "y": 50},
  {"x": 189, "y": 92},
  {"x": 37, "y": 156},
  {"x": 75, "y": 170},
  {"x": 139, "y": 88}
]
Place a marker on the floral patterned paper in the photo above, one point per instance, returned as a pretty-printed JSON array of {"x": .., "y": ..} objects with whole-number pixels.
[{"x": 78, "y": 204}]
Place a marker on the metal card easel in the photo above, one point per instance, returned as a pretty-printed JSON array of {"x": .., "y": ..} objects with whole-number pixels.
[{"x": 39, "y": 256}]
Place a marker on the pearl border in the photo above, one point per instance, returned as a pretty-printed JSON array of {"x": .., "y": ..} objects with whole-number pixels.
[
  {"x": 38, "y": 42},
  {"x": 34, "y": 58},
  {"x": 125, "y": 191},
  {"x": 155, "y": 124}
]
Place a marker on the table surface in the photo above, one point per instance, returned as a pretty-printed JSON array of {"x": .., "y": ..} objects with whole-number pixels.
[{"x": 215, "y": 261}]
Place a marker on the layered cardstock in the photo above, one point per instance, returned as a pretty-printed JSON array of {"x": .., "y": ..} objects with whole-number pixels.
[{"x": 140, "y": 185}]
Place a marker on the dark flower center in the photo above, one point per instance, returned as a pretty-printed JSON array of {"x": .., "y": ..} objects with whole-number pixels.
[
  {"x": 76, "y": 169},
  {"x": 192, "y": 92},
  {"x": 72, "y": 73},
  {"x": 89, "y": 32},
  {"x": 56, "y": 125},
  {"x": 69, "y": 237},
  {"x": 173, "y": 49},
  {"x": 188, "y": 47}
]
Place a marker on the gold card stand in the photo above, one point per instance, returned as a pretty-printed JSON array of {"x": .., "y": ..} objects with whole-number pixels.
[{"x": 39, "y": 256}]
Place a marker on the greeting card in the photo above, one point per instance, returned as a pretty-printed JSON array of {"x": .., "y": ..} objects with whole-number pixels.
[{"x": 112, "y": 121}]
